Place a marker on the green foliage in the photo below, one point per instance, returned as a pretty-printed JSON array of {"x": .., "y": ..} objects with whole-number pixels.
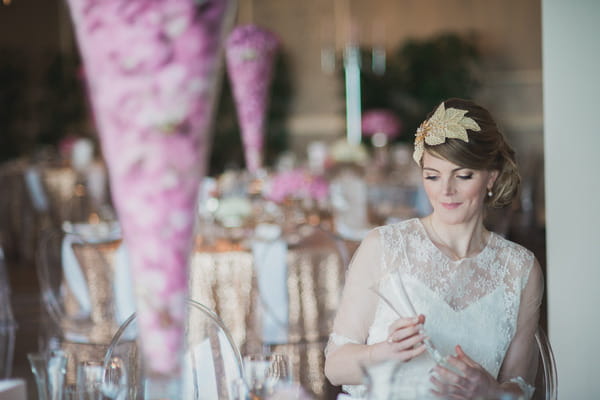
[
  {"x": 419, "y": 75},
  {"x": 227, "y": 150}
]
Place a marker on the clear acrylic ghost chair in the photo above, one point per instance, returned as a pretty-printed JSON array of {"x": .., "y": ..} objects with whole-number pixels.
[
  {"x": 212, "y": 365},
  {"x": 85, "y": 294},
  {"x": 7, "y": 323},
  {"x": 547, "y": 377},
  {"x": 78, "y": 285}
]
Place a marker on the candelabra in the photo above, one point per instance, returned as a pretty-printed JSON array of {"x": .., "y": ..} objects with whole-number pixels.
[{"x": 351, "y": 59}]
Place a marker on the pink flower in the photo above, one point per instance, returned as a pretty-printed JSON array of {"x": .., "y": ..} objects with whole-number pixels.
[
  {"x": 381, "y": 121},
  {"x": 151, "y": 67},
  {"x": 297, "y": 184},
  {"x": 65, "y": 146}
]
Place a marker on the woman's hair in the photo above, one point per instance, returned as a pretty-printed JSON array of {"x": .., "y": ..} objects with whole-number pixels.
[{"x": 485, "y": 150}]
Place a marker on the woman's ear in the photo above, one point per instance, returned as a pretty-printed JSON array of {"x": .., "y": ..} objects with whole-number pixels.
[{"x": 492, "y": 178}]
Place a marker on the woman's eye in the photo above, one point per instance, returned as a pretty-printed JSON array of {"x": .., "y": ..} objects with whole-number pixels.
[
  {"x": 465, "y": 177},
  {"x": 431, "y": 178}
]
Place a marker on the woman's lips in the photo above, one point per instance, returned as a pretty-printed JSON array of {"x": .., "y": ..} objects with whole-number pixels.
[{"x": 451, "y": 206}]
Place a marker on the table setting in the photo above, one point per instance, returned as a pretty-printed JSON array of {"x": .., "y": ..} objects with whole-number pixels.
[{"x": 141, "y": 235}]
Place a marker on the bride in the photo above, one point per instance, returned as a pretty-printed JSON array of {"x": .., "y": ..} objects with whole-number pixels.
[{"x": 478, "y": 295}]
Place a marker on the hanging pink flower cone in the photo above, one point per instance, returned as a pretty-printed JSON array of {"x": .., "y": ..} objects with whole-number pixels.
[
  {"x": 250, "y": 52},
  {"x": 153, "y": 69}
]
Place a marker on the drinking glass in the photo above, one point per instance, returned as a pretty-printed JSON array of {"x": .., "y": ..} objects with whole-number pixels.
[
  {"x": 263, "y": 372},
  {"x": 89, "y": 380},
  {"x": 115, "y": 380},
  {"x": 49, "y": 371}
]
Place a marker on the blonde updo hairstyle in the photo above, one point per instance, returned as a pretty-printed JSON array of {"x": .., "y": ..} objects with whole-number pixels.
[{"x": 485, "y": 150}]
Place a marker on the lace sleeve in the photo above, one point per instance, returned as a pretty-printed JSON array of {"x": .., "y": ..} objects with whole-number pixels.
[
  {"x": 521, "y": 360},
  {"x": 357, "y": 307}
]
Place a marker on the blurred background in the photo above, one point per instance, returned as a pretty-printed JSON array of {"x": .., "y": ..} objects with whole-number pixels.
[
  {"x": 486, "y": 50},
  {"x": 412, "y": 55}
]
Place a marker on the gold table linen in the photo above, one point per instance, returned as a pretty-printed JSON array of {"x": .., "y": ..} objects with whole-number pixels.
[{"x": 225, "y": 280}]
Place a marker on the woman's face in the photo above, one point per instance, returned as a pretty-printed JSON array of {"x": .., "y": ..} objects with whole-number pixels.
[{"x": 456, "y": 193}]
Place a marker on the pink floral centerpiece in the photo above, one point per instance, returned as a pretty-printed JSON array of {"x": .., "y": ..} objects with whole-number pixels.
[
  {"x": 153, "y": 68},
  {"x": 250, "y": 53},
  {"x": 297, "y": 184},
  {"x": 381, "y": 125}
]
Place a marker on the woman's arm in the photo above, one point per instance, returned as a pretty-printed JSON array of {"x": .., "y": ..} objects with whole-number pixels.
[
  {"x": 521, "y": 360},
  {"x": 346, "y": 351}
]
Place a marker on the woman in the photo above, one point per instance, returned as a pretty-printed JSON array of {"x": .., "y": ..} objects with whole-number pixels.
[{"x": 477, "y": 293}]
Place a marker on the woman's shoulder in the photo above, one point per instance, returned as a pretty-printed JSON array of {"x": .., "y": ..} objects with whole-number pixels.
[
  {"x": 504, "y": 243},
  {"x": 517, "y": 256}
]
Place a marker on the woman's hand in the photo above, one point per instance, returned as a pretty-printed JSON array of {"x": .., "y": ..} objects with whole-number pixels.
[
  {"x": 472, "y": 382},
  {"x": 404, "y": 341}
]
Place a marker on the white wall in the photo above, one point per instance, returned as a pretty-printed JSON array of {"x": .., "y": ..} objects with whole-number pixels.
[{"x": 571, "y": 65}]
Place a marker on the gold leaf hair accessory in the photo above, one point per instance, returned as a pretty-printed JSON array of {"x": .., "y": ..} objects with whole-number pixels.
[{"x": 444, "y": 123}]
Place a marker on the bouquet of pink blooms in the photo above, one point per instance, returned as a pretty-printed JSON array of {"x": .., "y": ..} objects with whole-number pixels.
[
  {"x": 297, "y": 184},
  {"x": 152, "y": 71}
]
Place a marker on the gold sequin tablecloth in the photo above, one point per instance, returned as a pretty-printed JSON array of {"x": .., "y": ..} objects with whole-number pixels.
[
  {"x": 85, "y": 336},
  {"x": 225, "y": 280}
]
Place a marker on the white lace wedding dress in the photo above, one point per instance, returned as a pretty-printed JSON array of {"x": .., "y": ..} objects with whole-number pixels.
[{"x": 489, "y": 303}]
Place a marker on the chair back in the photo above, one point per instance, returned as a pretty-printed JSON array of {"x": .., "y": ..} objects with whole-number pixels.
[
  {"x": 547, "y": 377},
  {"x": 80, "y": 286},
  {"x": 7, "y": 323},
  {"x": 212, "y": 364}
]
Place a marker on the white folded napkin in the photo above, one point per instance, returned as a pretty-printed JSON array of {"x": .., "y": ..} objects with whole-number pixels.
[
  {"x": 124, "y": 300},
  {"x": 269, "y": 252},
  {"x": 123, "y": 286},
  {"x": 199, "y": 370},
  {"x": 349, "y": 199},
  {"x": 73, "y": 274},
  {"x": 13, "y": 389},
  {"x": 33, "y": 182}
]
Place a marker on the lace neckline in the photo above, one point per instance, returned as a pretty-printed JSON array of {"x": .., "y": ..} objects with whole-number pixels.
[{"x": 446, "y": 256}]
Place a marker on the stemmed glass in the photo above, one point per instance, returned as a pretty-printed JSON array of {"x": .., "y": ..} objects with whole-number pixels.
[
  {"x": 89, "y": 380},
  {"x": 263, "y": 372}
]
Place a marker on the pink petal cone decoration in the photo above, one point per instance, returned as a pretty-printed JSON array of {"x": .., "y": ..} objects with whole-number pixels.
[
  {"x": 250, "y": 54},
  {"x": 153, "y": 69}
]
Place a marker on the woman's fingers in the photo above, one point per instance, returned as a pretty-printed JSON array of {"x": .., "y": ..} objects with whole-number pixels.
[
  {"x": 464, "y": 357},
  {"x": 459, "y": 364},
  {"x": 445, "y": 390},
  {"x": 403, "y": 333},
  {"x": 409, "y": 354},
  {"x": 406, "y": 322},
  {"x": 447, "y": 375},
  {"x": 408, "y": 343}
]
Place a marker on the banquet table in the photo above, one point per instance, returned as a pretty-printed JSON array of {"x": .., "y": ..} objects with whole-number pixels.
[{"x": 223, "y": 277}]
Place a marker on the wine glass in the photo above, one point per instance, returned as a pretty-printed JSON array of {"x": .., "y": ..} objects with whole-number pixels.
[
  {"x": 263, "y": 372},
  {"x": 89, "y": 380}
]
